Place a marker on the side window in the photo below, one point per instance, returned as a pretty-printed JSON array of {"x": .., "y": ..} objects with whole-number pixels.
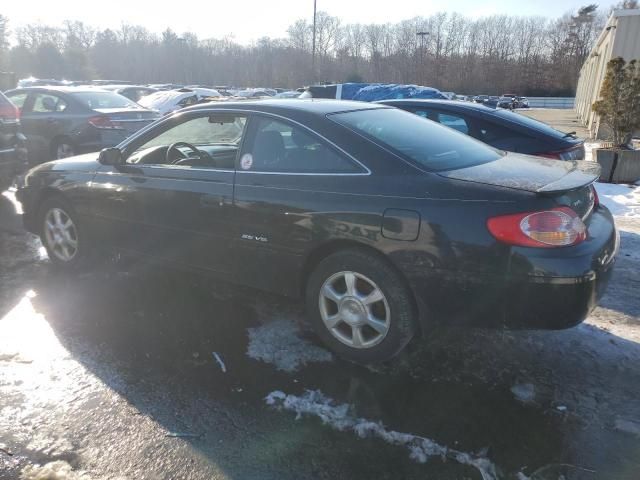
[
  {"x": 46, "y": 103},
  {"x": 425, "y": 113},
  {"x": 19, "y": 99},
  {"x": 282, "y": 147},
  {"x": 211, "y": 141},
  {"x": 456, "y": 122}
]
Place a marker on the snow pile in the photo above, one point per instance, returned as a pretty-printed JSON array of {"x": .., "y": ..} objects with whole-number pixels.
[
  {"x": 622, "y": 200},
  {"x": 279, "y": 344},
  {"x": 313, "y": 402},
  {"x": 58, "y": 470}
]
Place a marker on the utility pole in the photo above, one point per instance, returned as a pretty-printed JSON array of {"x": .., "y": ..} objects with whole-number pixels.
[
  {"x": 422, "y": 34},
  {"x": 313, "y": 47}
]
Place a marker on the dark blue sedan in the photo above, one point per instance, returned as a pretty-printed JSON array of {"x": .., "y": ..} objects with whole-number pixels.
[{"x": 499, "y": 128}]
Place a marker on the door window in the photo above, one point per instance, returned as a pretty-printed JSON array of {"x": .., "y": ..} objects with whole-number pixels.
[
  {"x": 425, "y": 113},
  {"x": 18, "y": 99},
  {"x": 47, "y": 103},
  {"x": 210, "y": 141},
  {"x": 281, "y": 147},
  {"x": 457, "y": 122}
]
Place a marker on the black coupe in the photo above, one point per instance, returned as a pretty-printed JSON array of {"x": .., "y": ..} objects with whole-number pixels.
[{"x": 386, "y": 222}]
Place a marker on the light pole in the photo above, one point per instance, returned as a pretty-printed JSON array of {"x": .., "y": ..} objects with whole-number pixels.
[
  {"x": 313, "y": 47},
  {"x": 422, "y": 34}
]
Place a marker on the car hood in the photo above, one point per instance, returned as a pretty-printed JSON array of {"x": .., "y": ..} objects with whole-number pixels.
[
  {"x": 529, "y": 173},
  {"x": 80, "y": 163}
]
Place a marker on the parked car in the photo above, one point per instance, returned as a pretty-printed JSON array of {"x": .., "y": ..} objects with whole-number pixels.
[
  {"x": 13, "y": 152},
  {"x": 387, "y": 223},
  {"x": 288, "y": 94},
  {"x": 61, "y": 122},
  {"x": 168, "y": 101},
  {"x": 480, "y": 98},
  {"x": 132, "y": 92},
  {"x": 513, "y": 102},
  {"x": 499, "y": 128},
  {"x": 492, "y": 101}
]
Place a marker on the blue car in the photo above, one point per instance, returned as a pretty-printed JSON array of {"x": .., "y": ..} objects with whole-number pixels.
[{"x": 502, "y": 129}]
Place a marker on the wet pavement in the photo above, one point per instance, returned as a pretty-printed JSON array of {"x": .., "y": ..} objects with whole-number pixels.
[{"x": 139, "y": 372}]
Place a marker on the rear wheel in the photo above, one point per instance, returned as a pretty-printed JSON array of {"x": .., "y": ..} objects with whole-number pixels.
[
  {"x": 360, "y": 306},
  {"x": 63, "y": 236}
]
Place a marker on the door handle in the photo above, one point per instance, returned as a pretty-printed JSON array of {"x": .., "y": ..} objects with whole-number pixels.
[{"x": 212, "y": 201}]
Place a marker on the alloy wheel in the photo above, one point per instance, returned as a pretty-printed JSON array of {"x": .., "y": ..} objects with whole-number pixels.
[
  {"x": 61, "y": 234},
  {"x": 354, "y": 309}
]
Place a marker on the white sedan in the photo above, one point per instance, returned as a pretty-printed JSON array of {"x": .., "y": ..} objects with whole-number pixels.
[{"x": 167, "y": 101}]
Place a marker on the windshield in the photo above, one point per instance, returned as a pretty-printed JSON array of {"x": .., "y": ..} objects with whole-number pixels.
[
  {"x": 99, "y": 100},
  {"x": 432, "y": 146}
]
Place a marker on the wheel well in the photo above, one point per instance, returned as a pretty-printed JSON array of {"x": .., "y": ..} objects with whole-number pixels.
[
  {"x": 55, "y": 141},
  {"x": 323, "y": 251}
]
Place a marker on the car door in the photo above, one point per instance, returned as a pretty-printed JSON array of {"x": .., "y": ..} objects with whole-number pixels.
[
  {"x": 44, "y": 120},
  {"x": 171, "y": 202},
  {"x": 285, "y": 182}
]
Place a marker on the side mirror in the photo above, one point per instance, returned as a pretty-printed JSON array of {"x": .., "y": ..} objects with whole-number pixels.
[{"x": 110, "y": 156}]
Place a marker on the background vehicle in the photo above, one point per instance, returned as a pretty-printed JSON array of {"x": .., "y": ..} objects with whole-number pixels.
[
  {"x": 288, "y": 94},
  {"x": 295, "y": 198},
  {"x": 480, "y": 98},
  {"x": 63, "y": 121},
  {"x": 492, "y": 101},
  {"x": 13, "y": 152},
  {"x": 132, "y": 92},
  {"x": 497, "y": 127},
  {"x": 168, "y": 101}
]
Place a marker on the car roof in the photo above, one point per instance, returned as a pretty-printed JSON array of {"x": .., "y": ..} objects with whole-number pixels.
[
  {"x": 448, "y": 104},
  {"x": 61, "y": 89},
  {"x": 319, "y": 106}
]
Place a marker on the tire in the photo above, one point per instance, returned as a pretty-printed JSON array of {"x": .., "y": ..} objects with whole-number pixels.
[
  {"x": 348, "y": 309},
  {"x": 62, "y": 148},
  {"x": 64, "y": 237}
]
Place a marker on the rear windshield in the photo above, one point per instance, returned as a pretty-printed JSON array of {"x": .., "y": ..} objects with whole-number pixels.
[
  {"x": 429, "y": 144},
  {"x": 96, "y": 100},
  {"x": 528, "y": 122}
]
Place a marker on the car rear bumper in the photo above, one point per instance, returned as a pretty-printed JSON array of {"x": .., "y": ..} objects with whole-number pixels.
[{"x": 541, "y": 289}]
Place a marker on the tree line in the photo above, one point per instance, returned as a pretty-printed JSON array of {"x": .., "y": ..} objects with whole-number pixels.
[{"x": 527, "y": 55}]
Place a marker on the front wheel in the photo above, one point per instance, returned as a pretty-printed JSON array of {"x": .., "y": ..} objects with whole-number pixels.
[
  {"x": 360, "y": 306},
  {"x": 63, "y": 236}
]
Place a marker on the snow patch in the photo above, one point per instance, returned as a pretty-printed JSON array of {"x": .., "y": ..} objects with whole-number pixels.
[
  {"x": 279, "y": 343},
  {"x": 421, "y": 449},
  {"x": 58, "y": 470},
  {"x": 524, "y": 392},
  {"x": 622, "y": 200}
]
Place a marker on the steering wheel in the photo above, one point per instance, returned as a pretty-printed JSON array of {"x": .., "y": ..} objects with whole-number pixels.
[{"x": 200, "y": 154}]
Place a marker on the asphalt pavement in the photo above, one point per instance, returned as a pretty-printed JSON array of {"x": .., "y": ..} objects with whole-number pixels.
[{"x": 139, "y": 372}]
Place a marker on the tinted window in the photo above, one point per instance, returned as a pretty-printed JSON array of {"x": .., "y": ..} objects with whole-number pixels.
[
  {"x": 425, "y": 113},
  {"x": 424, "y": 142},
  {"x": 454, "y": 121},
  {"x": 97, "y": 100},
  {"x": 528, "y": 122},
  {"x": 47, "y": 103},
  {"x": 281, "y": 147}
]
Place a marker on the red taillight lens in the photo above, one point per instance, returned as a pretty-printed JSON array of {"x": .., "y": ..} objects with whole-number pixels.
[
  {"x": 9, "y": 112},
  {"x": 101, "y": 121},
  {"x": 558, "y": 227}
]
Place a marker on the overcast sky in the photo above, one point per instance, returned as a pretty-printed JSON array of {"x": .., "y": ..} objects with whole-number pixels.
[{"x": 248, "y": 20}]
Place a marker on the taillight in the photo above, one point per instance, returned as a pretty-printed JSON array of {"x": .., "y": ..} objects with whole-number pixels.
[
  {"x": 558, "y": 227},
  {"x": 9, "y": 112},
  {"x": 102, "y": 121},
  {"x": 571, "y": 153},
  {"x": 554, "y": 155}
]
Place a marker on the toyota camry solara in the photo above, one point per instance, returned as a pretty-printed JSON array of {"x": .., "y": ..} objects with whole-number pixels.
[{"x": 386, "y": 223}]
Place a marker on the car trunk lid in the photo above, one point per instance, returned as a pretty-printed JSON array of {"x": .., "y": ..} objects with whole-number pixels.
[
  {"x": 129, "y": 119},
  {"x": 568, "y": 182}
]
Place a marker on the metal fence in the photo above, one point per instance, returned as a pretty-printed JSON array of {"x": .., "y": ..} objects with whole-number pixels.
[{"x": 551, "y": 102}]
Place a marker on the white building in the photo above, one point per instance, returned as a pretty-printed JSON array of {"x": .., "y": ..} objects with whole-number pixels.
[{"x": 620, "y": 38}]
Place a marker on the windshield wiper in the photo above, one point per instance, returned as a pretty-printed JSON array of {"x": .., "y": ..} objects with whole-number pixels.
[{"x": 570, "y": 134}]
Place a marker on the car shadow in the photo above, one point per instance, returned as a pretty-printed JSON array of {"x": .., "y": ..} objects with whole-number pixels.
[{"x": 150, "y": 334}]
